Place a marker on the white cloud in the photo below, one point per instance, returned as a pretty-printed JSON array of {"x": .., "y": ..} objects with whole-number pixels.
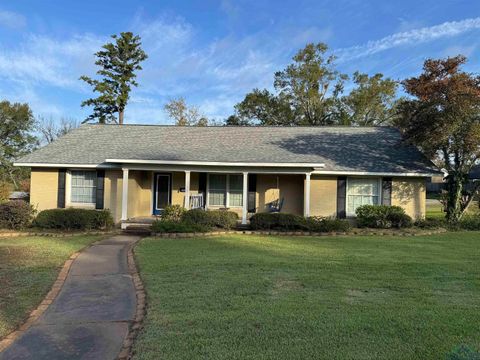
[
  {"x": 12, "y": 20},
  {"x": 412, "y": 37},
  {"x": 40, "y": 60}
]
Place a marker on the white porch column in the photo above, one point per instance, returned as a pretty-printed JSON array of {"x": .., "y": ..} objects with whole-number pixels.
[
  {"x": 306, "y": 193},
  {"x": 125, "y": 195},
  {"x": 245, "y": 198},
  {"x": 187, "y": 190}
]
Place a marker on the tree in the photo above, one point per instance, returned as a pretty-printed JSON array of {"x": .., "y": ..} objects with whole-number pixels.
[
  {"x": 310, "y": 84},
  {"x": 183, "y": 114},
  {"x": 443, "y": 119},
  {"x": 370, "y": 103},
  {"x": 16, "y": 139},
  {"x": 118, "y": 62},
  {"x": 306, "y": 92},
  {"x": 52, "y": 130},
  {"x": 264, "y": 108}
]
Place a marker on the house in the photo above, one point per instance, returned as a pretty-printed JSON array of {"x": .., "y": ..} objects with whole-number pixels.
[
  {"x": 18, "y": 195},
  {"x": 136, "y": 170}
]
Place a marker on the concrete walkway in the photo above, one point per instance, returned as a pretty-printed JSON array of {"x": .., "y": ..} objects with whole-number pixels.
[{"x": 89, "y": 318}]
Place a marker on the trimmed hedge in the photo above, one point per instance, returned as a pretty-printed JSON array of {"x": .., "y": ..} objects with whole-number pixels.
[
  {"x": 213, "y": 219},
  {"x": 168, "y": 226},
  {"x": 322, "y": 224},
  {"x": 195, "y": 220},
  {"x": 277, "y": 221},
  {"x": 291, "y": 222},
  {"x": 16, "y": 215},
  {"x": 382, "y": 217},
  {"x": 74, "y": 219}
]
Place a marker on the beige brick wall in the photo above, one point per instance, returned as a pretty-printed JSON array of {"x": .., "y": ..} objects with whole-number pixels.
[
  {"x": 44, "y": 188},
  {"x": 410, "y": 194},
  {"x": 290, "y": 188},
  {"x": 323, "y": 196},
  {"x": 139, "y": 193}
]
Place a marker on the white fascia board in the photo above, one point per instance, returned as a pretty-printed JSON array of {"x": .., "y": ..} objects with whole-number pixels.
[
  {"x": 366, "y": 173},
  {"x": 53, "y": 165},
  {"x": 213, "y": 163}
]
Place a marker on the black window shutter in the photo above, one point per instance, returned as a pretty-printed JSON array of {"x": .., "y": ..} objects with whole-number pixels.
[
  {"x": 100, "y": 189},
  {"x": 252, "y": 192},
  {"x": 202, "y": 183},
  {"x": 341, "y": 197},
  {"x": 387, "y": 191},
  {"x": 61, "y": 188}
]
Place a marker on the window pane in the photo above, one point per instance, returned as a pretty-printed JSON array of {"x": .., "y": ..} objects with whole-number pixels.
[
  {"x": 236, "y": 183},
  {"x": 361, "y": 192},
  {"x": 218, "y": 182},
  {"x": 83, "y": 188},
  {"x": 216, "y": 197},
  {"x": 236, "y": 198},
  {"x": 217, "y": 189}
]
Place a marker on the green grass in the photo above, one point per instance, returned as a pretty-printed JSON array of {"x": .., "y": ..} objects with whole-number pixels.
[
  {"x": 254, "y": 297},
  {"x": 436, "y": 210},
  {"x": 28, "y": 268}
]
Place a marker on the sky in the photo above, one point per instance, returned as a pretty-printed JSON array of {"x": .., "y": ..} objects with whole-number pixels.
[{"x": 213, "y": 52}]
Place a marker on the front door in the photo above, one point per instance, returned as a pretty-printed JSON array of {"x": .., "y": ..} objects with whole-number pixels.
[{"x": 162, "y": 192}]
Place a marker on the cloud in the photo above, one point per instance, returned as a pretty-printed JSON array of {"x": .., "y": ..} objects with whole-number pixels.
[
  {"x": 412, "y": 37},
  {"x": 40, "y": 60},
  {"x": 12, "y": 20}
]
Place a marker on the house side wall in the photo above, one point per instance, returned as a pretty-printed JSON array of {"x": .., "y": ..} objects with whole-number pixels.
[
  {"x": 44, "y": 188},
  {"x": 323, "y": 196},
  {"x": 410, "y": 194},
  {"x": 289, "y": 188}
]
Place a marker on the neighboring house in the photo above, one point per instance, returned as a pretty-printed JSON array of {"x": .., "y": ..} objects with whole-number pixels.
[
  {"x": 18, "y": 195},
  {"x": 136, "y": 170}
]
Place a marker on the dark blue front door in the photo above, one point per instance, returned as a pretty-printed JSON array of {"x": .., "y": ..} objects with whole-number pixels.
[{"x": 162, "y": 192}]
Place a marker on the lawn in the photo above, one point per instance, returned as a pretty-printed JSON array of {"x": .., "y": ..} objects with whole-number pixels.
[
  {"x": 28, "y": 268},
  {"x": 267, "y": 297}
]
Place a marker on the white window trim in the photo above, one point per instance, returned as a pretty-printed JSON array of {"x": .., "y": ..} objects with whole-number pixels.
[
  {"x": 68, "y": 192},
  {"x": 379, "y": 195},
  {"x": 227, "y": 193}
]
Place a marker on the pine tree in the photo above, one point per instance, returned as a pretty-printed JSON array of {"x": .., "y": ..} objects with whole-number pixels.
[{"x": 118, "y": 62}]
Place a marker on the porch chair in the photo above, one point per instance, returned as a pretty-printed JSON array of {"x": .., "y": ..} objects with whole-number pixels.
[{"x": 275, "y": 206}]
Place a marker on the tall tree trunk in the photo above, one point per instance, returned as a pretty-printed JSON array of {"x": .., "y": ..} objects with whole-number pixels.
[
  {"x": 454, "y": 187},
  {"x": 120, "y": 117}
]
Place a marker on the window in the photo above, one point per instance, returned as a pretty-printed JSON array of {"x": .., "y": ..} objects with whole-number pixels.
[
  {"x": 225, "y": 190},
  {"x": 235, "y": 190},
  {"x": 84, "y": 186},
  {"x": 217, "y": 189},
  {"x": 361, "y": 192}
]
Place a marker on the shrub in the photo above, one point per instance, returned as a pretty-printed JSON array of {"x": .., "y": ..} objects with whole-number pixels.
[
  {"x": 212, "y": 219},
  {"x": 74, "y": 219},
  {"x": 382, "y": 216},
  {"x": 173, "y": 213},
  {"x": 431, "y": 223},
  {"x": 168, "y": 226},
  {"x": 16, "y": 214},
  {"x": 322, "y": 224},
  {"x": 471, "y": 222},
  {"x": 278, "y": 221}
]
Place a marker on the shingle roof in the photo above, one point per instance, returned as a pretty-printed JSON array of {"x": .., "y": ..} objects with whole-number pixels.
[{"x": 366, "y": 149}]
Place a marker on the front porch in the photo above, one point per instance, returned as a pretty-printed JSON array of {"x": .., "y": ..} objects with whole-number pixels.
[{"x": 144, "y": 192}]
